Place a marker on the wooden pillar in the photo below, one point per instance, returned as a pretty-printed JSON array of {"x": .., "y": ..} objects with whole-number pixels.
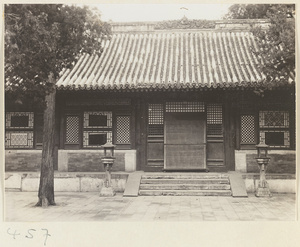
[
  {"x": 133, "y": 115},
  {"x": 292, "y": 121},
  {"x": 56, "y": 138},
  {"x": 140, "y": 136},
  {"x": 229, "y": 134},
  {"x": 61, "y": 110},
  {"x": 237, "y": 119}
]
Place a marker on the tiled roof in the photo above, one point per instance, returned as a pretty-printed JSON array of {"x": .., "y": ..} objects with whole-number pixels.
[{"x": 168, "y": 59}]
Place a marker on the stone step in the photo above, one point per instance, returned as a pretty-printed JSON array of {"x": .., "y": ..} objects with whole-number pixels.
[
  {"x": 186, "y": 176},
  {"x": 184, "y": 181},
  {"x": 185, "y": 193},
  {"x": 184, "y": 187}
]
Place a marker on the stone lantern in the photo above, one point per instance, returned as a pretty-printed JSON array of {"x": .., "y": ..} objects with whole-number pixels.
[
  {"x": 108, "y": 161},
  {"x": 262, "y": 161}
]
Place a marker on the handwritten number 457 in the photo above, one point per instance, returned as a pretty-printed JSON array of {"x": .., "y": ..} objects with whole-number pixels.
[{"x": 29, "y": 235}]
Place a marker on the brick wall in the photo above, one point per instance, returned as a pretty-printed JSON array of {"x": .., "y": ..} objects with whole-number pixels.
[
  {"x": 80, "y": 161},
  {"x": 279, "y": 163},
  {"x": 22, "y": 160},
  {"x": 91, "y": 162},
  {"x": 64, "y": 181}
]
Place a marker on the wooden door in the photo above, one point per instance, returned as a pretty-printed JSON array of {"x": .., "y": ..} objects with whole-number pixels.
[{"x": 185, "y": 141}]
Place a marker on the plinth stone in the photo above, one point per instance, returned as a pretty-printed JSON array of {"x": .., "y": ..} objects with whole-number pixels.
[
  {"x": 107, "y": 192},
  {"x": 263, "y": 192}
]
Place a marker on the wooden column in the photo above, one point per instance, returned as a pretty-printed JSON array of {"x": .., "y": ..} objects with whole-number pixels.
[
  {"x": 229, "y": 134},
  {"x": 141, "y": 133},
  {"x": 57, "y": 135},
  {"x": 61, "y": 109},
  {"x": 292, "y": 121}
]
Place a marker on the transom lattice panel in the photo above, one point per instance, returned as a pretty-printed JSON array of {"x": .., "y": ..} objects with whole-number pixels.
[
  {"x": 214, "y": 119},
  {"x": 185, "y": 107},
  {"x": 93, "y": 115},
  {"x": 155, "y": 119},
  {"x": 214, "y": 114},
  {"x": 155, "y": 114},
  {"x": 72, "y": 129},
  {"x": 248, "y": 129},
  {"x": 273, "y": 119},
  {"x": 19, "y": 139},
  {"x": 123, "y": 129},
  {"x": 19, "y": 120}
]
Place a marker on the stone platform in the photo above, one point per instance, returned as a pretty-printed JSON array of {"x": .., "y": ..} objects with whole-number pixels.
[
  {"x": 65, "y": 181},
  {"x": 89, "y": 182}
]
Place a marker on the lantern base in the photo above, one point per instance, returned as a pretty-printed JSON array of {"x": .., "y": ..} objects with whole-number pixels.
[
  {"x": 262, "y": 161},
  {"x": 109, "y": 161},
  {"x": 107, "y": 192},
  {"x": 263, "y": 192}
]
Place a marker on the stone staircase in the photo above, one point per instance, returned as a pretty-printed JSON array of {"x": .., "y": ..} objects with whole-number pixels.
[{"x": 185, "y": 185}]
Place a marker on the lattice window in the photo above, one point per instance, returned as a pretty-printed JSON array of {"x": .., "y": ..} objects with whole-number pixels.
[
  {"x": 155, "y": 119},
  {"x": 274, "y": 128},
  {"x": 99, "y": 119},
  {"x": 72, "y": 129},
  {"x": 19, "y": 129},
  {"x": 185, "y": 107},
  {"x": 155, "y": 114},
  {"x": 123, "y": 130},
  {"x": 273, "y": 119},
  {"x": 19, "y": 139},
  {"x": 96, "y": 138},
  {"x": 97, "y": 128},
  {"x": 248, "y": 129},
  {"x": 19, "y": 120},
  {"x": 276, "y": 138},
  {"x": 214, "y": 119}
]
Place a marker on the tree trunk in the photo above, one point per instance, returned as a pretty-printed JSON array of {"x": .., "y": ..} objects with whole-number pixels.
[{"x": 46, "y": 188}]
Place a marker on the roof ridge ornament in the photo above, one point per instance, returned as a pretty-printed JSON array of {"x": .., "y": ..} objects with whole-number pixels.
[{"x": 184, "y": 20}]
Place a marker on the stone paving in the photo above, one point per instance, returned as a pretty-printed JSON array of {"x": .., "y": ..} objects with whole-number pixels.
[{"x": 88, "y": 206}]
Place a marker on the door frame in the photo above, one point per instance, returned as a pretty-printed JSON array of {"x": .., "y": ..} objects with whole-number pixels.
[{"x": 228, "y": 160}]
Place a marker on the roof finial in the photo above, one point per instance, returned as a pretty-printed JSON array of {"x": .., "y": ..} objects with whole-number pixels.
[
  {"x": 184, "y": 19},
  {"x": 183, "y": 11}
]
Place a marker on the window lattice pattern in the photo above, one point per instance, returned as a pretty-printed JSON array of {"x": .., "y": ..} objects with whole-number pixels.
[
  {"x": 248, "y": 129},
  {"x": 214, "y": 114},
  {"x": 273, "y": 119},
  {"x": 155, "y": 114},
  {"x": 123, "y": 130},
  {"x": 19, "y": 139},
  {"x": 86, "y": 117},
  {"x": 96, "y": 137},
  {"x": 72, "y": 131},
  {"x": 18, "y": 123},
  {"x": 156, "y": 129},
  {"x": 155, "y": 119},
  {"x": 280, "y": 139},
  {"x": 214, "y": 119},
  {"x": 87, "y": 134},
  {"x": 185, "y": 107}
]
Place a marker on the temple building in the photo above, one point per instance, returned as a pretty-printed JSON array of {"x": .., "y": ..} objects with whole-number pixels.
[{"x": 186, "y": 99}]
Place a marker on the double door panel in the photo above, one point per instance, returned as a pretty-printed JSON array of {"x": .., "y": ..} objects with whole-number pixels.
[{"x": 185, "y": 141}]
